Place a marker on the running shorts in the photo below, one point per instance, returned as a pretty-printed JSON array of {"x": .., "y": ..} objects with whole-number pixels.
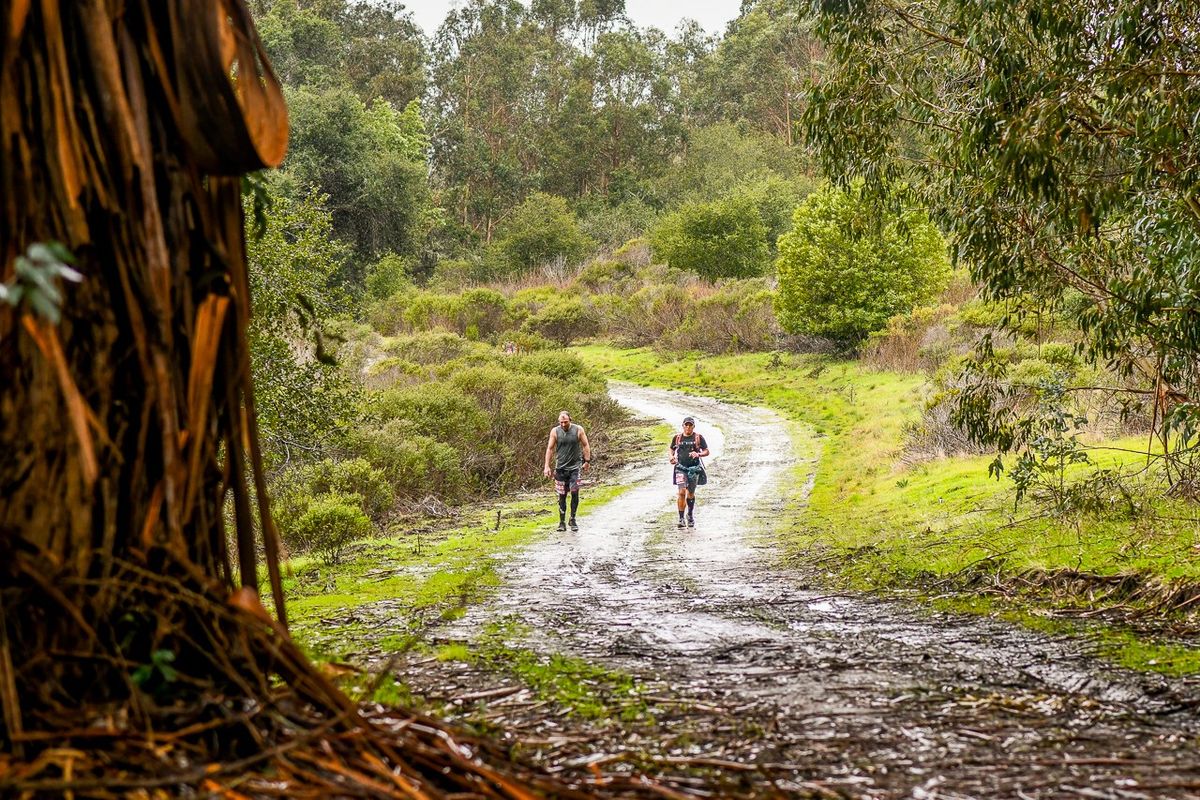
[
  {"x": 567, "y": 480},
  {"x": 684, "y": 476}
]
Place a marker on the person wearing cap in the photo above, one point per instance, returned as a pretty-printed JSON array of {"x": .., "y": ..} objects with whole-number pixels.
[
  {"x": 687, "y": 449},
  {"x": 569, "y": 448}
]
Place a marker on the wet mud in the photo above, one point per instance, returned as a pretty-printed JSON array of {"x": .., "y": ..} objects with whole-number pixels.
[{"x": 753, "y": 673}]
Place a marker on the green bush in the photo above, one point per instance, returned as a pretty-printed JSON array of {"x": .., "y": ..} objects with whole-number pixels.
[
  {"x": 561, "y": 366},
  {"x": 565, "y": 320},
  {"x": 843, "y": 273},
  {"x": 389, "y": 275},
  {"x": 357, "y": 477},
  {"x": 434, "y": 347},
  {"x": 427, "y": 311},
  {"x": 604, "y": 275},
  {"x": 482, "y": 313},
  {"x": 541, "y": 230},
  {"x": 416, "y": 465},
  {"x": 737, "y": 317},
  {"x": 435, "y": 409},
  {"x": 330, "y": 523},
  {"x": 724, "y": 238}
]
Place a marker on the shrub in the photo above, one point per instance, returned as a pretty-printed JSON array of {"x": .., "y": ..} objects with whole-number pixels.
[
  {"x": 645, "y": 317},
  {"x": 542, "y": 229},
  {"x": 842, "y": 273},
  {"x": 603, "y": 275},
  {"x": 725, "y": 238},
  {"x": 416, "y": 465},
  {"x": 435, "y": 347},
  {"x": 903, "y": 344},
  {"x": 426, "y": 311},
  {"x": 557, "y": 364},
  {"x": 482, "y": 313},
  {"x": 635, "y": 252},
  {"x": 353, "y": 477},
  {"x": 564, "y": 320},
  {"x": 738, "y": 317},
  {"x": 394, "y": 372},
  {"x": 330, "y": 523},
  {"x": 435, "y": 409},
  {"x": 389, "y": 275}
]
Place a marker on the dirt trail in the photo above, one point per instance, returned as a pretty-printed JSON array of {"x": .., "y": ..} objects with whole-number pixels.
[{"x": 827, "y": 693}]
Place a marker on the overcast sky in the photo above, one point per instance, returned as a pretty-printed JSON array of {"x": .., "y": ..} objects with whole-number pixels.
[{"x": 711, "y": 14}]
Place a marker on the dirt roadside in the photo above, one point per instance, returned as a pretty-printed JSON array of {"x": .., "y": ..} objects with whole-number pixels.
[{"x": 753, "y": 677}]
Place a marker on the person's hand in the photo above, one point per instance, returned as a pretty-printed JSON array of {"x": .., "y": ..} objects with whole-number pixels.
[
  {"x": 674, "y": 460},
  {"x": 586, "y": 464},
  {"x": 546, "y": 472}
]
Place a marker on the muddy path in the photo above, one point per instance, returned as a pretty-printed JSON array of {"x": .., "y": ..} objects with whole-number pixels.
[{"x": 755, "y": 672}]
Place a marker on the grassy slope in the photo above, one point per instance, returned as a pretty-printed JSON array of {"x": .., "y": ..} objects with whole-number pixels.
[{"x": 879, "y": 523}]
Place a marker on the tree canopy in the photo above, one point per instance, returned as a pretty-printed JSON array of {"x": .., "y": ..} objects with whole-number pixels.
[{"x": 1053, "y": 142}]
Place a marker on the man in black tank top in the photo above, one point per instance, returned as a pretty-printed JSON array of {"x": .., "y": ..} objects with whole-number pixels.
[
  {"x": 687, "y": 449},
  {"x": 569, "y": 448}
]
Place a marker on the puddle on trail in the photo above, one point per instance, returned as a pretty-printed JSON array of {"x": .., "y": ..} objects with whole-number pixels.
[{"x": 848, "y": 694}]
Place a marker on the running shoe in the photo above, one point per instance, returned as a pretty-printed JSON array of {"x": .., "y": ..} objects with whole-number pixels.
[
  {"x": 574, "y": 527},
  {"x": 562, "y": 526},
  {"x": 691, "y": 522},
  {"x": 681, "y": 523}
]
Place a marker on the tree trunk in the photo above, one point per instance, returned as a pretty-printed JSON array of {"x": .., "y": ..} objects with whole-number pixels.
[{"x": 125, "y": 425}]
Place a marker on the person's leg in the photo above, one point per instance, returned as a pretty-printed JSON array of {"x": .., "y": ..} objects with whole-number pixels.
[
  {"x": 574, "y": 506},
  {"x": 560, "y": 486},
  {"x": 691, "y": 507},
  {"x": 680, "y": 501}
]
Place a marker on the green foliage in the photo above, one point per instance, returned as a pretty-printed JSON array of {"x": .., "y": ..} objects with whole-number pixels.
[
  {"x": 372, "y": 47},
  {"x": 330, "y": 523},
  {"x": 355, "y": 477},
  {"x": 564, "y": 320},
  {"x": 1058, "y": 164},
  {"x": 541, "y": 230},
  {"x": 416, "y": 465},
  {"x": 34, "y": 282},
  {"x": 736, "y": 317},
  {"x": 843, "y": 273},
  {"x": 303, "y": 401},
  {"x": 389, "y": 275},
  {"x": 724, "y": 238},
  {"x": 370, "y": 160}
]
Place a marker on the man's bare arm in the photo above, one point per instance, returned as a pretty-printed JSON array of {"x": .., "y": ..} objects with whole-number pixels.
[
  {"x": 587, "y": 448},
  {"x": 550, "y": 448}
]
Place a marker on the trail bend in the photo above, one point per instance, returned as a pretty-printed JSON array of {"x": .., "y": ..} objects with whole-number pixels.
[{"x": 874, "y": 698}]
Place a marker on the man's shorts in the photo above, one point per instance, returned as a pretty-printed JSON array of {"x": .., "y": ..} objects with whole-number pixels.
[
  {"x": 685, "y": 477},
  {"x": 567, "y": 480}
]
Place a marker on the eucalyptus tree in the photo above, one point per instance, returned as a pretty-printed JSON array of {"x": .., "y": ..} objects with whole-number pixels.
[
  {"x": 763, "y": 67},
  {"x": 1056, "y": 143}
]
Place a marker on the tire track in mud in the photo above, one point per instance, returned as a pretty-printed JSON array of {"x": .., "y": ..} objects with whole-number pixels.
[{"x": 871, "y": 698}]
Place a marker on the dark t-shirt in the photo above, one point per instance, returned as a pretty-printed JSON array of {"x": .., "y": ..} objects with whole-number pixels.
[{"x": 684, "y": 448}]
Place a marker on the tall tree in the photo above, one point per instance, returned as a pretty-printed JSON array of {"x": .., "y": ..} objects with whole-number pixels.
[
  {"x": 135, "y": 655},
  {"x": 763, "y": 67}
]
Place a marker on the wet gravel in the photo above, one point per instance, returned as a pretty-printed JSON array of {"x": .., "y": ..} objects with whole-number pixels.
[{"x": 746, "y": 663}]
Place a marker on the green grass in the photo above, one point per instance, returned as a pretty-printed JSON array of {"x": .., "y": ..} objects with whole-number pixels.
[
  {"x": 878, "y": 523},
  {"x": 578, "y": 687},
  {"x": 422, "y": 573},
  {"x": 450, "y": 569}
]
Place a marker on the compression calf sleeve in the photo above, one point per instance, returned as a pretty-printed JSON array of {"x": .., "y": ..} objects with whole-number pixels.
[
  {"x": 562, "y": 505},
  {"x": 691, "y": 505},
  {"x": 574, "y": 503}
]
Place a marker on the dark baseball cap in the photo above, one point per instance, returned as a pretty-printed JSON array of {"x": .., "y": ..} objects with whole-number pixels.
[{"x": 689, "y": 421}]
